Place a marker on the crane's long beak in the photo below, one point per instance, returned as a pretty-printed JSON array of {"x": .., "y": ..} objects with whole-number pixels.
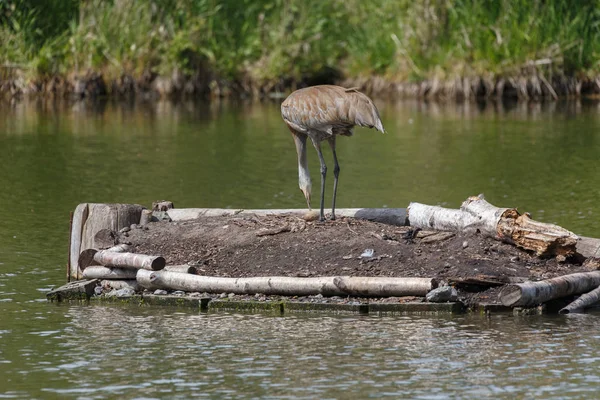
[{"x": 307, "y": 196}]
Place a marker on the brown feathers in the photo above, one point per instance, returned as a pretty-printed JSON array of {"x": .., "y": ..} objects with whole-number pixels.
[{"x": 329, "y": 110}]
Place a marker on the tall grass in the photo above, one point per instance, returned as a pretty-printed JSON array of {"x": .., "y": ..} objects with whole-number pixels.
[{"x": 268, "y": 43}]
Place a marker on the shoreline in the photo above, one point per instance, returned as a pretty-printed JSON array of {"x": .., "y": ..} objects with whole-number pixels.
[{"x": 94, "y": 85}]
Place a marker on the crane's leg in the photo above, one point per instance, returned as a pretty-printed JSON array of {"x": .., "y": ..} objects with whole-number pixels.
[
  {"x": 336, "y": 174},
  {"x": 317, "y": 145}
]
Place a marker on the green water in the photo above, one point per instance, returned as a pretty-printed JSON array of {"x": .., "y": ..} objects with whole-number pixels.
[{"x": 53, "y": 156}]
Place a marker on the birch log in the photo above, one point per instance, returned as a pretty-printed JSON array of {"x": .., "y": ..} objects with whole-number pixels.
[
  {"x": 288, "y": 286},
  {"x": 506, "y": 224},
  {"x": 101, "y": 272},
  {"x": 121, "y": 260},
  {"x": 184, "y": 269},
  {"x": 530, "y": 294},
  {"x": 585, "y": 300}
]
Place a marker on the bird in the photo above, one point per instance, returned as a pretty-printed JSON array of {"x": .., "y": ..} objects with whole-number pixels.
[{"x": 321, "y": 113}]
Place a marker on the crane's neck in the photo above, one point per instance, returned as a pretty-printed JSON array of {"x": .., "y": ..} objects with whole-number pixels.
[{"x": 303, "y": 173}]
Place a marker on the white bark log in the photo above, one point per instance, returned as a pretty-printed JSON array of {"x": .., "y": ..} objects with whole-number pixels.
[
  {"x": 530, "y": 294},
  {"x": 505, "y": 224},
  {"x": 478, "y": 218},
  {"x": 288, "y": 286},
  {"x": 120, "y": 248},
  {"x": 582, "y": 302},
  {"x": 101, "y": 272},
  {"x": 130, "y": 260},
  {"x": 184, "y": 269},
  {"x": 390, "y": 216}
]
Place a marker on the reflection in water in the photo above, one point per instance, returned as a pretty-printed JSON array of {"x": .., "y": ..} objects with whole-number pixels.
[
  {"x": 540, "y": 158},
  {"x": 122, "y": 352}
]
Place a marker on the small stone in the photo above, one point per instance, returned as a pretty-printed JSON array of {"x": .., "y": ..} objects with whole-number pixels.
[
  {"x": 179, "y": 293},
  {"x": 160, "y": 292},
  {"x": 125, "y": 292},
  {"x": 561, "y": 258},
  {"x": 231, "y": 295},
  {"x": 465, "y": 244},
  {"x": 195, "y": 294},
  {"x": 515, "y": 258},
  {"x": 98, "y": 290},
  {"x": 442, "y": 294},
  {"x": 222, "y": 295},
  {"x": 126, "y": 229}
]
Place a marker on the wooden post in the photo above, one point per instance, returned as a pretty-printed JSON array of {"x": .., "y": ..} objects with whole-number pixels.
[{"x": 89, "y": 219}]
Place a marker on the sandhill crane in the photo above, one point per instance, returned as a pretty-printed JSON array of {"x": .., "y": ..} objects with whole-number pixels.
[{"x": 321, "y": 113}]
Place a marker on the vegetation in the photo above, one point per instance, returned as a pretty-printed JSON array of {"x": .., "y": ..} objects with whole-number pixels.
[{"x": 277, "y": 43}]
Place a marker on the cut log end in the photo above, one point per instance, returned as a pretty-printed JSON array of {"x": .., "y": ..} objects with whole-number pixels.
[
  {"x": 510, "y": 295},
  {"x": 86, "y": 258}
]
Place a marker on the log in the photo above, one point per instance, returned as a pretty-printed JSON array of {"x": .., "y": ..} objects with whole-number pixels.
[
  {"x": 585, "y": 300},
  {"x": 100, "y": 272},
  {"x": 121, "y": 260},
  {"x": 384, "y": 286},
  {"x": 530, "y": 294},
  {"x": 120, "y": 248},
  {"x": 288, "y": 286},
  {"x": 390, "y": 216},
  {"x": 121, "y": 284},
  {"x": 184, "y": 269},
  {"x": 505, "y": 224}
]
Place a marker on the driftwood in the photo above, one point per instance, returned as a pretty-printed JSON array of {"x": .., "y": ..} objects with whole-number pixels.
[
  {"x": 121, "y": 260},
  {"x": 585, "y": 300},
  {"x": 390, "y": 216},
  {"x": 478, "y": 216},
  {"x": 530, "y": 294},
  {"x": 288, "y": 286},
  {"x": 100, "y": 272}
]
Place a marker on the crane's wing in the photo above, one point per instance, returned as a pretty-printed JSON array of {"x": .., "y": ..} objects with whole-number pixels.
[{"x": 330, "y": 109}]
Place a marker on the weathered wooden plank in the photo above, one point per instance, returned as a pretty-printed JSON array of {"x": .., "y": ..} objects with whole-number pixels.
[{"x": 79, "y": 290}]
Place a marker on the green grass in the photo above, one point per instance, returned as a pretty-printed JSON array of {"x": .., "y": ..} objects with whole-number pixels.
[{"x": 276, "y": 43}]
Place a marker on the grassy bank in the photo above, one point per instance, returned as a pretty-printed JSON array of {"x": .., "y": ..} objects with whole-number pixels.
[{"x": 452, "y": 47}]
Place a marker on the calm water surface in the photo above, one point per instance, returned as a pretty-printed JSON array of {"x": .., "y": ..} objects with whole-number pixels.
[{"x": 53, "y": 156}]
